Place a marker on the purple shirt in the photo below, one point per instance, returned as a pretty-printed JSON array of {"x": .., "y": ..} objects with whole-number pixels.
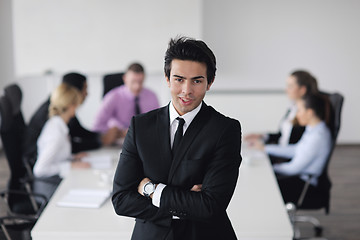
[{"x": 118, "y": 107}]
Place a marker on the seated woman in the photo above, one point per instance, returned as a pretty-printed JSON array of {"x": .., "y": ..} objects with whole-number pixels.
[
  {"x": 54, "y": 146},
  {"x": 298, "y": 84},
  {"x": 309, "y": 155}
]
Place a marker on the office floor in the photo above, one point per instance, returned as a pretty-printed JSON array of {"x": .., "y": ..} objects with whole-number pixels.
[{"x": 343, "y": 222}]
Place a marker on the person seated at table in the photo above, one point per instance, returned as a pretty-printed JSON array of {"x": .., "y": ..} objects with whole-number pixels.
[
  {"x": 122, "y": 103},
  {"x": 299, "y": 84},
  {"x": 53, "y": 145},
  {"x": 81, "y": 138},
  {"x": 309, "y": 155}
]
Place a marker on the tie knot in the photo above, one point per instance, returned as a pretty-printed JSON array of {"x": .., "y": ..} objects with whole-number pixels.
[{"x": 181, "y": 121}]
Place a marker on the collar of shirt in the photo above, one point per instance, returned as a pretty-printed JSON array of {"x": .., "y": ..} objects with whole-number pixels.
[
  {"x": 61, "y": 124},
  {"x": 129, "y": 94},
  {"x": 292, "y": 112},
  {"x": 188, "y": 117},
  {"x": 320, "y": 125}
]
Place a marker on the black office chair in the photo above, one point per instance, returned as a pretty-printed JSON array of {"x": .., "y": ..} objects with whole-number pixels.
[
  {"x": 319, "y": 198},
  {"x": 111, "y": 81},
  {"x": 23, "y": 207}
]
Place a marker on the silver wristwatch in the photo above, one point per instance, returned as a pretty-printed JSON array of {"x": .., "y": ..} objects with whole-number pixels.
[{"x": 148, "y": 189}]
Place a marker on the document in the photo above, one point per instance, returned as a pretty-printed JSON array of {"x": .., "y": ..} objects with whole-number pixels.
[
  {"x": 99, "y": 161},
  {"x": 84, "y": 198}
]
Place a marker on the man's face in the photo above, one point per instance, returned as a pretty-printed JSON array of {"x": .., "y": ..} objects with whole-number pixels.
[
  {"x": 134, "y": 81},
  {"x": 188, "y": 84}
]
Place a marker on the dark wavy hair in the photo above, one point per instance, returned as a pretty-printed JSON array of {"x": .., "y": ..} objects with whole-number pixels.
[
  {"x": 184, "y": 48},
  {"x": 304, "y": 78},
  {"x": 320, "y": 104}
]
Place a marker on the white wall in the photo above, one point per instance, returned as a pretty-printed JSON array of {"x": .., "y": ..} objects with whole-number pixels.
[
  {"x": 257, "y": 44},
  {"x": 98, "y": 35},
  {"x": 6, "y": 44}
]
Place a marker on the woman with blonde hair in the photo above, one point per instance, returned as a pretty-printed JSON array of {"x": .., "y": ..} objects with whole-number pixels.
[{"x": 53, "y": 144}]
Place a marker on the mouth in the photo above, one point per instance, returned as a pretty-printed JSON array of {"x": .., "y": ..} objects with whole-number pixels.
[{"x": 186, "y": 101}]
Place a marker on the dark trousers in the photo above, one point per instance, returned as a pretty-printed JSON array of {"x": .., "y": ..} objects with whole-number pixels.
[
  {"x": 291, "y": 188},
  {"x": 177, "y": 231}
]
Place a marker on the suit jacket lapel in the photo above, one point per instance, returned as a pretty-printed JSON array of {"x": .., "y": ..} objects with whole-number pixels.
[
  {"x": 163, "y": 130},
  {"x": 192, "y": 131}
]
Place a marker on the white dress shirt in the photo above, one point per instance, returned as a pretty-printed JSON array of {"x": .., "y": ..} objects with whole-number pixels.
[
  {"x": 54, "y": 149},
  {"x": 286, "y": 126},
  {"x": 308, "y": 156},
  {"x": 173, "y": 114}
]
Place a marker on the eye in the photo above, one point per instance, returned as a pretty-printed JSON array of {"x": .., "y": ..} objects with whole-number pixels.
[
  {"x": 178, "y": 79},
  {"x": 197, "y": 81}
]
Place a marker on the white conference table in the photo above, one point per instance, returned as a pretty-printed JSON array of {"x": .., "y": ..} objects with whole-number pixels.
[{"x": 256, "y": 210}]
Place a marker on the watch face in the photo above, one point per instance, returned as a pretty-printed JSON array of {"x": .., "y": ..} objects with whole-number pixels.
[{"x": 149, "y": 188}]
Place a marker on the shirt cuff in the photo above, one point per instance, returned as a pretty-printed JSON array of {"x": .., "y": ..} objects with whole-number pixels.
[{"x": 157, "y": 194}]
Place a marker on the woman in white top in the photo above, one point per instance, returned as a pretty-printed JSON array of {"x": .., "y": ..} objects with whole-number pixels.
[
  {"x": 54, "y": 147},
  {"x": 298, "y": 84},
  {"x": 310, "y": 154}
]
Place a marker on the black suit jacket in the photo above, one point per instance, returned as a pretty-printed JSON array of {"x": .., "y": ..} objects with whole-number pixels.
[
  {"x": 295, "y": 135},
  {"x": 209, "y": 154}
]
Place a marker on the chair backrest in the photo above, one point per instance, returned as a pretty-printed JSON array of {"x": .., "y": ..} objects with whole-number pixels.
[
  {"x": 14, "y": 94},
  {"x": 12, "y": 130},
  {"x": 111, "y": 81},
  {"x": 5, "y": 113},
  {"x": 336, "y": 102}
]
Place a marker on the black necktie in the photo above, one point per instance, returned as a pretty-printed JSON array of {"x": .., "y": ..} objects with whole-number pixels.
[
  {"x": 137, "y": 107},
  {"x": 178, "y": 135}
]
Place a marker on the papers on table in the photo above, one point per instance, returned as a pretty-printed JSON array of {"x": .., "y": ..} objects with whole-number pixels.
[
  {"x": 99, "y": 161},
  {"x": 84, "y": 198}
]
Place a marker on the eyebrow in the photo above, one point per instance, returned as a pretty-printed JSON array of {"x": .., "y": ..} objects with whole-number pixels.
[{"x": 193, "y": 78}]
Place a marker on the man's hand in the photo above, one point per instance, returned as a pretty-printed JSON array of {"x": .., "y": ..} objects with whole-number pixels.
[
  {"x": 80, "y": 164},
  {"x": 110, "y": 136},
  {"x": 141, "y": 185},
  {"x": 258, "y": 145},
  {"x": 122, "y": 133},
  {"x": 196, "y": 188}
]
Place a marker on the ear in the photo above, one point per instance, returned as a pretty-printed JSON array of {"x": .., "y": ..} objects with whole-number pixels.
[
  {"x": 167, "y": 80},
  {"x": 209, "y": 85},
  {"x": 302, "y": 90},
  {"x": 311, "y": 112},
  {"x": 124, "y": 77}
]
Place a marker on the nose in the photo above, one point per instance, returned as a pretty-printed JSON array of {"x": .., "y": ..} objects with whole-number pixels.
[{"x": 187, "y": 88}]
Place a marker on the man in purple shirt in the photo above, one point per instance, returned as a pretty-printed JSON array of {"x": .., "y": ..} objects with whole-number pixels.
[{"x": 122, "y": 103}]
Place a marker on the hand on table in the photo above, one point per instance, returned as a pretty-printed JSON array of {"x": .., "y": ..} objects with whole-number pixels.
[
  {"x": 253, "y": 137},
  {"x": 80, "y": 164},
  {"x": 110, "y": 136}
]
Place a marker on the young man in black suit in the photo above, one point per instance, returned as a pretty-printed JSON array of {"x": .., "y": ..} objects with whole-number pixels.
[{"x": 177, "y": 176}]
